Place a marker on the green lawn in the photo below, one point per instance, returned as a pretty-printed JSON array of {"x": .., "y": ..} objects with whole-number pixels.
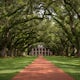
[
  {"x": 9, "y": 67},
  {"x": 68, "y": 64}
]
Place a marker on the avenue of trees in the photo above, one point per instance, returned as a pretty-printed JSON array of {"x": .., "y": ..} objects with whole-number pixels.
[{"x": 54, "y": 23}]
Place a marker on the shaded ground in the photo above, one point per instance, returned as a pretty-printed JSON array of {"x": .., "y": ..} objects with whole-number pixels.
[{"x": 42, "y": 69}]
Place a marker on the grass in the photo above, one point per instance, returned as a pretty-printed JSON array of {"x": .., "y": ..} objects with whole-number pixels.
[
  {"x": 9, "y": 67},
  {"x": 68, "y": 64}
]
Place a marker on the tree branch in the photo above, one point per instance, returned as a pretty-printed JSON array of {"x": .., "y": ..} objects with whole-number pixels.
[{"x": 12, "y": 13}]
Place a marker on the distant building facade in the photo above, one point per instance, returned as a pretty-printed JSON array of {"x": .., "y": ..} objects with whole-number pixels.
[{"x": 40, "y": 50}]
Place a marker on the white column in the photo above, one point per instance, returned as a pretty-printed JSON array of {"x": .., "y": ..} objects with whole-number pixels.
[
  {"x": 39, "y": 51},
  {"x": 32, "y": 51},
  {"x": 45, "y": 52}
]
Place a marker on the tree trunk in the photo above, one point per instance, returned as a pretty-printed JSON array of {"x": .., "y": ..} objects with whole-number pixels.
[
  {"x": 67, "y": 51},
  {"x": 3, "y": 52},
  {"x": 78, "y": 53}
]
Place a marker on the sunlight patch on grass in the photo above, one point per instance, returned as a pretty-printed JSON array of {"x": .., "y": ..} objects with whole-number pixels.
[
  {"x": 68, "y": 64},
  {"x": 9, "y": 67}
]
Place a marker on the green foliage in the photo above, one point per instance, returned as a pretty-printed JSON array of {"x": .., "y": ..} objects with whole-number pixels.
[{"x": 52, "y": 22}]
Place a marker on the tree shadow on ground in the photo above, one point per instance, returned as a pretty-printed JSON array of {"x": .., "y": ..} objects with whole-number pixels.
[{"x": 7, "y": 76}]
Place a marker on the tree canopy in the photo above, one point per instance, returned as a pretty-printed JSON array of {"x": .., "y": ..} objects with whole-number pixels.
[{"x": 55, "y": 23}]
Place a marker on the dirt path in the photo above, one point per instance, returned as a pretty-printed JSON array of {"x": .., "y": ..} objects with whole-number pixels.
[{"x": 42, "y": 69}]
